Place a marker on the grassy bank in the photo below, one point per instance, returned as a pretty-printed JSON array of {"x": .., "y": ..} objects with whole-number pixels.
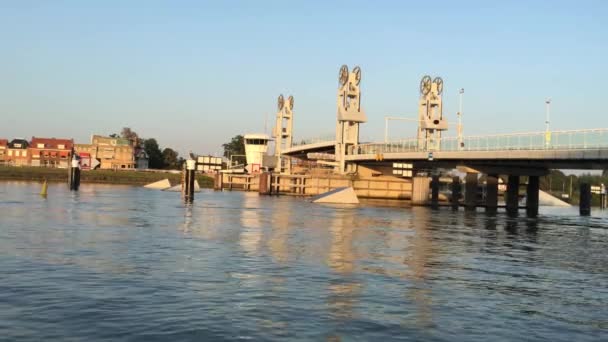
[{"x": 128, "y": 177}]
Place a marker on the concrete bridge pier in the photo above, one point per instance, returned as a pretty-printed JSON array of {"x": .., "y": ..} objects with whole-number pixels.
[
  {"x": 491, "y": 193},
  {"x": 456, "y": 192},
  {"x": 470, "y": 194},
  {"x": 435, "y": 191},
  {"x": 265, "y": 187},
  {"x": 218, "y": 181},
  {"x": 420, "y": 190},
  {"x": 532, "y": 196},
  {"x": 512, "y": 195}
]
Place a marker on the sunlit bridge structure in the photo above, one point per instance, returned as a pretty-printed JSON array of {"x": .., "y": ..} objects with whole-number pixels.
[{"x": 430, "y": 151}]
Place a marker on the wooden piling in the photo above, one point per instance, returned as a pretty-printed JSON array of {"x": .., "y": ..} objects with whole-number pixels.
[
  {"x": 585, "y": 199},
  {"x": 491, "y": 193},
  {"x": 456, "y": 192}
]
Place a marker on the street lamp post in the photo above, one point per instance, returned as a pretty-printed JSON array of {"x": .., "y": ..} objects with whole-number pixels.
[
  {"x": 547, "y": 112},
  {"x": 460, "y": 141},
  {"x": 386, "y": 118}
]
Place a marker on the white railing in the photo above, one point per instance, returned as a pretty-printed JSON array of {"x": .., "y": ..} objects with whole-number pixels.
[
  {"x": 316, "y": 140},
  {"x": 554, "y": 140}
]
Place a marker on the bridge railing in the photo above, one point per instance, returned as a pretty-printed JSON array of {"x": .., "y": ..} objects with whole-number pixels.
[
  {"x": 553, "y": 140},
  {"x": 316, "y": 140}
]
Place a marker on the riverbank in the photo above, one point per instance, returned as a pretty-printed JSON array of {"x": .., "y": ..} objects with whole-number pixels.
[{"x": 124, "y": 177}]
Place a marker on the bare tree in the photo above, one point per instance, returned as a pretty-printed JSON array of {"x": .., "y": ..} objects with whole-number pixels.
[{"x": 129, "y": 134}]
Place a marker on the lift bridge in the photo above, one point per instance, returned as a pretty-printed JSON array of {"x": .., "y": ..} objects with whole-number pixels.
[{"x": 512, "y": 155}]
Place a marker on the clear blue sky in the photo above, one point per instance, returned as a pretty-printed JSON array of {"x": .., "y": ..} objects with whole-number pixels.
[{"x": 193, "y": 73}]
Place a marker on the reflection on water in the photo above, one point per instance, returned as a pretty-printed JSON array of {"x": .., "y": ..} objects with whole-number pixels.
[
  {"x": 344, "y": 289},
  {"x": 124, "y": 263},
  {"x": 279, "y": 232},
  {"x": 251, "y": 233},
  {"x": 418, "y": 259}
]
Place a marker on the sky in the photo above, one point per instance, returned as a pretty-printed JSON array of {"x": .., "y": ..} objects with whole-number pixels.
[{"x": 193, "y": 74}]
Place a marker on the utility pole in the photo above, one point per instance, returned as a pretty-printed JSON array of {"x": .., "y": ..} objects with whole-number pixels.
[{"x": 460, "y": 141}]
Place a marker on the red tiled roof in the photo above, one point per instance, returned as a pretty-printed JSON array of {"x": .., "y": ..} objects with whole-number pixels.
[
  {"x": 52, "y": 143},
  {"x": 3, "y": 142}
]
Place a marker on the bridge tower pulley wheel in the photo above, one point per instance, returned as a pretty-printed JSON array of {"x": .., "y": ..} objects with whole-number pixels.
[{"x": 430, "y": 114}]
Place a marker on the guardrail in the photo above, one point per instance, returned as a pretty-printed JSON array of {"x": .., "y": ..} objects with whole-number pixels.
[
  {"x": 316, "y": 140},
  {"x": 553, "y": 140}
]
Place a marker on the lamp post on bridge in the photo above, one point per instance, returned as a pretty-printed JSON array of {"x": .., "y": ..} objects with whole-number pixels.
[
  {"x": 460, "y": 141},
  {"x": 547, "y": 112}
]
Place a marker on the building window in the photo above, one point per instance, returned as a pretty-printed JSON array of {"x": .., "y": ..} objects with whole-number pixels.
[
  {"x": 17, "y": 153},
  {"x": 61, "y": 146},
  {"x": 10, "y": 153},
  {"x": 24, "y": 153}
]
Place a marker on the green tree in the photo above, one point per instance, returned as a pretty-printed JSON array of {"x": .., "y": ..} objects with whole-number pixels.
[
  {"x": 236, "y": 146},
  {"x": 555, "y": 181},
  {"x": 155, "y": 156},
  {"x": 170, "y": 159}
]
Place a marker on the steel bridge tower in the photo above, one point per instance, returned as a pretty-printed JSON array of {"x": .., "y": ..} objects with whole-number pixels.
[
  {"x": 283, "y": 133},
  {"x": 350, "y": 115},
  {"x": 430, "y": 114}
]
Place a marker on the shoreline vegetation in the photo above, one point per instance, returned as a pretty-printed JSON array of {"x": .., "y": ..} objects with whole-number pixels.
[{"x": 121, "y": 177}]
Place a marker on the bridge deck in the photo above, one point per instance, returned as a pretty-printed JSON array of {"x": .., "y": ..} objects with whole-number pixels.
[
  {"x": 552, "y": 159},
  {"x": 576, "y": 149},
  {"x": 312, "y": 147}
]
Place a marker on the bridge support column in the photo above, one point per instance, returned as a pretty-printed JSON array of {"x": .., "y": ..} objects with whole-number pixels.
[
  {"x": 435, "y": 191},
  {"x": 456, "y": 192},
  {"x": 491, "y": 193},
  {"x": 585, "y": 199},
  {"x": 532, "y": 196},
  {"x": 420, "y": 190},
  {"x": 513, "y": 195},
  {"x": 470, "y": 194}
]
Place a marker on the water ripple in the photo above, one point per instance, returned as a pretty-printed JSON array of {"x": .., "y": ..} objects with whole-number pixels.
[{"x": 114, "y": 263}]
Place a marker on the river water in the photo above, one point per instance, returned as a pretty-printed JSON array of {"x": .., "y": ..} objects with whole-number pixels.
[{"x": 119, "y": 263}]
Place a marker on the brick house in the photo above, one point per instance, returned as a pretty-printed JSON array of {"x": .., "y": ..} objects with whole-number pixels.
[
  {"x": 3, "y": 148},
  {"x": 50, "y": 152},
  {"x": 87, "y": 153},
  {"x": 17, "y": 153}
]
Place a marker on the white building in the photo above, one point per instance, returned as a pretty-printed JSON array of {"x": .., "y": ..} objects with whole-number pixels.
[{"x": 256, "y": 146}]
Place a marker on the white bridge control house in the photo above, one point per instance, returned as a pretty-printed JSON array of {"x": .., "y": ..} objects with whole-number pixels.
[{"x": 256, "y": 147}]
